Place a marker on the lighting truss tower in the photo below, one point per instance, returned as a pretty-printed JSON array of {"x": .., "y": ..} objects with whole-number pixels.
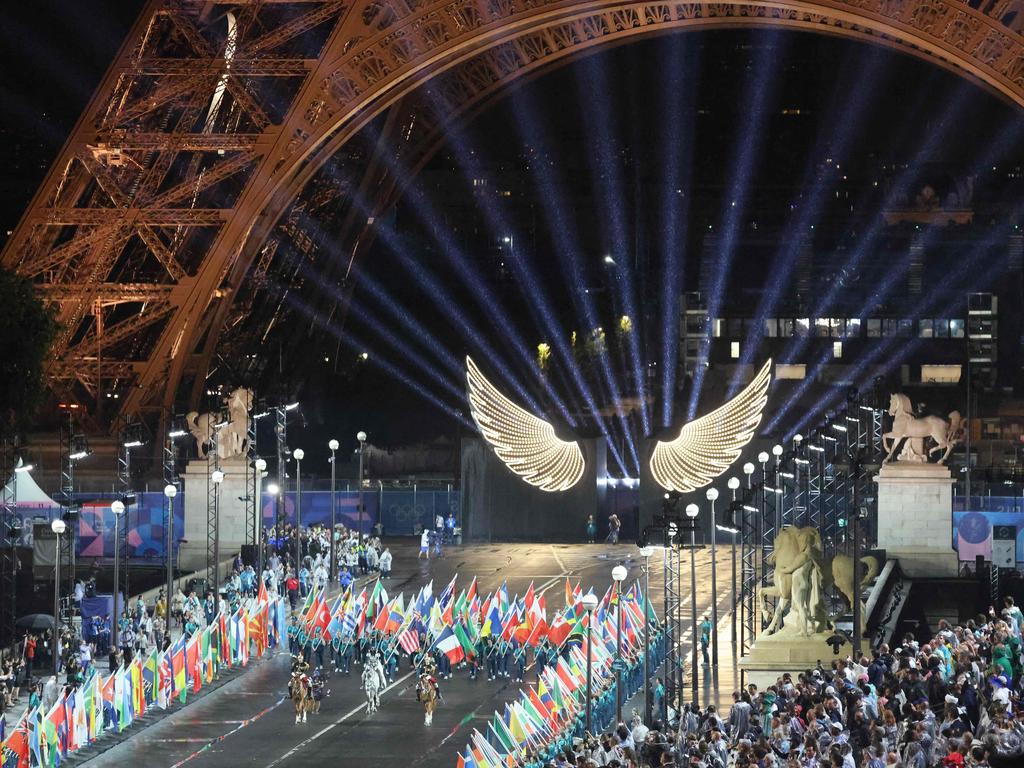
[
  {"x": 673, "y": 666},
  {"x": 124, "y": 486},
  {"x": 281, "y": 440},
  {"x": 8, "y": 541},
  {"x": 212, "y": 511},
  {"x": 252, "y": 502},
  {"x": 68, "y": 509},
  {"x": 766, "y": 526},
  {"x": 749, "y": 541}
]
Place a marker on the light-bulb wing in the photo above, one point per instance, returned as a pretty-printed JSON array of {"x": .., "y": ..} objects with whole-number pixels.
[
  {"x": 707, "y": 446},
  {"x": 526, "y": 444}
]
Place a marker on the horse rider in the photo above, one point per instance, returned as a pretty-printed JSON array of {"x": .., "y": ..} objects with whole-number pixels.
[
  {"x": 428, "y": 675},
  {"x": 316, "y": 685}
]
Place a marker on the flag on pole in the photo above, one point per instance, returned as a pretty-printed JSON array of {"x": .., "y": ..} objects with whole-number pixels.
[
  {"x": 409, "y": 640},
  {"x": 449, "y": 645}
]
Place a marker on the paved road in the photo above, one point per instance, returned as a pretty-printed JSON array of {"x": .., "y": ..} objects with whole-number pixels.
[{"x": 248, "y": 722}]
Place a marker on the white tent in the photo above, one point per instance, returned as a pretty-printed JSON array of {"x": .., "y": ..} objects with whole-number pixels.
[{"x": 27, "y": 491}]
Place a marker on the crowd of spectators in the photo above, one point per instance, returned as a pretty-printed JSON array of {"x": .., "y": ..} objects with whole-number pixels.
[{"x": 952, "y": 701}]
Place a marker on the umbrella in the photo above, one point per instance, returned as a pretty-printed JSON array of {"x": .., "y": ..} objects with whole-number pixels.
[{"x": 35, "y": 621}]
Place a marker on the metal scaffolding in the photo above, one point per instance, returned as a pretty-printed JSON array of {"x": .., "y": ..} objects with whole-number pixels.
[
  {"x": 673, "y": 666},
  {"x": 9, "y": 533},
  {"x": 251, "y": 498},
  {"x": 212, "y": 506}
]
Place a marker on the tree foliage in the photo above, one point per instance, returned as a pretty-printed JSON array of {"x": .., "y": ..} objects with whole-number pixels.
[{"x": 26, "y": 332}]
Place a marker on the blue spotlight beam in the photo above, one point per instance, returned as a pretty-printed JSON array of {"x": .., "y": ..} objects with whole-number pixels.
[
  {"x": 961, "y": 275},
  {"x": 378, "y": 360},
  {"x": 606, "y": 175},
  {"x": 759, "y": 93},
  {"x": 562, "y": 228},
  {"x": 985, "y": 157},
  {"x": 675, "y": 203},
  {"x": 467, "y": 158},
  {"x": 845, "y": 122}
]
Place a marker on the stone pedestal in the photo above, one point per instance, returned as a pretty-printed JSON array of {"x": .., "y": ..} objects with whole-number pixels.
[
  {"x": 232, "y": 511},
  {"x": 915, "y": 518},
  {"x": 773, "y": 655}
]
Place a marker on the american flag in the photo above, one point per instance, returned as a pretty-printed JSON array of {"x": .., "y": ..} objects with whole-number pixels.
[{"x": 409, "y": 640}]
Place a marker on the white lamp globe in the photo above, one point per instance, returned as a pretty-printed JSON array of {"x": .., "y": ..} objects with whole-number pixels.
[
  {"x": 333, "y": 445},
  {"x": 762, "y": 457},
  {"x": 117, "y": 507},
  {"x": 748, "y": 468},
  {"x": 58, "y": 526},
  {"x": 361, "y": 436},
  {"x": 711, "y": 494},
  {"x": 692, "y": 510},
  {"x": 217, "y": 476},
  {"x": 646, "y": 552},
  {"x": 619, "y": 573},
  {"x": 734, "y": 483},
  {"x": 170, "y": 490},
  {"x": 261, "y": 465},
  {"x": 273, "y": 489},
  {"x": 299, "y": 454},
  {"x": 777, "y": 450},
  {"x": 590, "y": 601},
  {"x": 798, "y": 438}
]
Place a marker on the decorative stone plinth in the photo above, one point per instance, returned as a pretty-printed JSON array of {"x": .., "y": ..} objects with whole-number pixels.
[
  {"x": 232, "y": 511},
  {"x": 915, "y": 518},
  {"x": 773, "y": 655}
]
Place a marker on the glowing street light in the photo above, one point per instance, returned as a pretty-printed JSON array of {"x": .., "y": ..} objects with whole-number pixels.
[{"x": 618, "y": 576}]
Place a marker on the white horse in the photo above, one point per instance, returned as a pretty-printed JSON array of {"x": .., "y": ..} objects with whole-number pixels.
[
  {"x": 373, "y": 683},
  {"x": 233, "y": 439},
  {"x": 945, "y": 434}
]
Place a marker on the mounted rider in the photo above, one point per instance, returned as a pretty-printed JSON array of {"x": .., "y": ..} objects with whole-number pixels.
[{"x": 428, "y": 676}]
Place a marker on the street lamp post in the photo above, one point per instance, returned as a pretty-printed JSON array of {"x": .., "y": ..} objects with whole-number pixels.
[
  {"x": 645, "y": 553},
  {"x": 618, "y": 576},
  {"x": 691, "y": 513},
  {"x": 746, "y": 578},
  {"x": 361, "y": 437},
  {"x": 733, "y": 484},
  {"x": 589, "y": 603},
  {"x": 217, "y": 477},
  {"x": 117, "y": 507},
  {"x": 299, "y": 455},
  {"x": 58, "y": 526},
  {"x": 170, "y": 491},
  {"x": 261, "y": 470},
  {"x": 780, "y": 498},
  {"x": 333, "y": 445},
  {"x": 712, "y": 494}
]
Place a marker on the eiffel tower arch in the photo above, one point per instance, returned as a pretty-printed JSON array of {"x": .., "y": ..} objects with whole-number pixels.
[{"x": 225, "y": 148}]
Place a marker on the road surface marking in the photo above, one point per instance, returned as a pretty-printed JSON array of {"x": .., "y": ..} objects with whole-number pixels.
[{"x": 327, "y": 728}]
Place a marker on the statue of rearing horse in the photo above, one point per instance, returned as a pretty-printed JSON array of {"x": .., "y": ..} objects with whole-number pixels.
[{"x": 945, "y": 434}]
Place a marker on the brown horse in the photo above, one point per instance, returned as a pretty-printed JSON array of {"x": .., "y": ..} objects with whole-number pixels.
[
  {"x": 301, "y": 695},
  {"x": 427, "y": 692}
]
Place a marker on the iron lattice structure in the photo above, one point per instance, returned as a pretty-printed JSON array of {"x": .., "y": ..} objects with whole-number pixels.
[
  {"x": 212, "y": 509},
  {"x": 224, "y": 152},
  {"x": 8, "y": 541},
  {"x": 674, "y": 659},
  {"x": 252, "y": 500}
]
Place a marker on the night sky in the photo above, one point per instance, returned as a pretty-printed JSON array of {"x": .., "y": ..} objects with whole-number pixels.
[{"x": 629, "y": 112}]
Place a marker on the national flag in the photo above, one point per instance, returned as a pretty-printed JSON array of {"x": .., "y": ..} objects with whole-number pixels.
[
  {"x": 448, "y": 592},
  {"x": 449, "y": 645},
  {"x": 559, "y": 630},
  {"x": 179, "y": 665},
  {"x": 395, "y": 616},
  {"x": 464, "y": 640},
  {"x": 465, "y": 759},
  {"x": 502, "y": 735},
  {"x": 568, "y": 594},
  {"x": 165, "y": 679},
  {"x": 372, "y": 608},
  {"x": 492, "y": 625},
  {"x": 14, "y": 752},
  {"x": 307, "y": 607},
  {"x": 409, "y": 640},
  {"x": 191, "y": 663},
  {"x": 150, "y": 676},
  {"x": 529, "y": 597},
  {"x": 320, "y": 621},
  {"x": 224, "y": 644},
  {"x": 545, "y": 697},
  {"x": 512, "y": 620}
]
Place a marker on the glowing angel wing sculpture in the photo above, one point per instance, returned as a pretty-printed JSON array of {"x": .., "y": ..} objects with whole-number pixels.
[
  {"x": 526, "y": 444},
  {"x": 707, "y": 446}
]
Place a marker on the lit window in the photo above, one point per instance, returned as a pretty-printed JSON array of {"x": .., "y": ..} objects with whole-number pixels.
[
  {"x": 837, "y": 349},
  {"x": 926, "y": 330},
  {"x": 803, "y": 326},
  {"x": 956, "y": 329},
  {"x": 771, "y": 327},
  {"x": 792, "y": 371},
  {"x": 940, "y": 374},
  {"x": 853, "y": 328},
  {"x": 734, "y": 349},
  {"x": 716, "y": 327}
]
